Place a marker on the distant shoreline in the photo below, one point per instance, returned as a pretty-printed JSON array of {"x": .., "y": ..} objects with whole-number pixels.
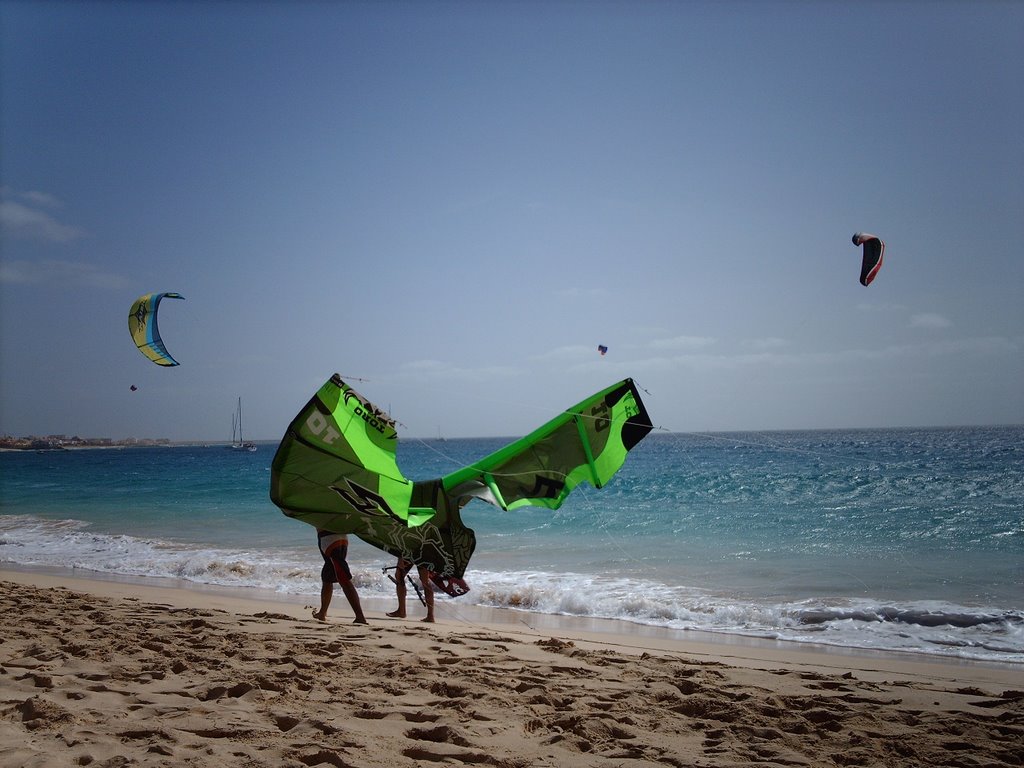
[
  {"x": 58, "y": 442},
  {"x": 121, "y": 446}
]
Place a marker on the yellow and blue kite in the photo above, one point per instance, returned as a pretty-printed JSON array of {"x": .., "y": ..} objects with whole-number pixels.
[{"x": 143, "y": 328}]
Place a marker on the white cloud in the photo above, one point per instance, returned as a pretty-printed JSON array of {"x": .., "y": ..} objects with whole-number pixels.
[
  {"x": 570, "y": 353},
  {"x": 929, "y": 320},
  {"x": 683, "y": 342},
  {"x": 435, "y": 370},
  {"x": 57, "y": 272},
  {"x": 43, "y": 199},
  {"x": 866, "y": 307},
  {"x": 771, "y": 342},
  {"x": 984, "y": 345},
  {"x": 648, "y": 330},
  {"x": 31, "y": 223},
  {"x": 423, "y": 366}
]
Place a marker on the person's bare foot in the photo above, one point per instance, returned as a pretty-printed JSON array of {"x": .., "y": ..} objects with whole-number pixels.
[
  {"x": 397, "y": 614},
  {"x": 428, "y": 619},
  {"x": 320, "y": 616},
  {"x": 360, "y": 620}
]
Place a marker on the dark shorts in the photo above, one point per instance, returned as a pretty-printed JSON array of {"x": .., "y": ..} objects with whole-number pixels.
[{"x": 336, "y": 570}]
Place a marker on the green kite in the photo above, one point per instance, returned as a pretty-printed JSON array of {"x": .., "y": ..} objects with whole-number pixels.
[{"x": 336, "y": 470}]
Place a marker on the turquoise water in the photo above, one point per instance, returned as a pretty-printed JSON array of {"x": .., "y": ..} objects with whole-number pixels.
[{"x": 890, "y": 539}]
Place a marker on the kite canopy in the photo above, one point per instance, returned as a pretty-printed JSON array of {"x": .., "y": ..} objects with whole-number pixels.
[
  {"x": 602, "y": 349},
  {"x": 336, "y": 470},
  {"x": 143, "y": 327},
  {"x": 874, "y": 250}
]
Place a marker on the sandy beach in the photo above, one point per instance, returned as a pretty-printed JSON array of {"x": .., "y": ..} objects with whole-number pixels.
[{"x": 107, "y": 673}]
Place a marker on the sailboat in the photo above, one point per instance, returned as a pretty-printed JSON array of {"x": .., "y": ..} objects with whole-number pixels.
[{"x": 236, "y": 430}]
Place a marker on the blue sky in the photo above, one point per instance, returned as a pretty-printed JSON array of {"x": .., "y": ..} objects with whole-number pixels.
[{"x": 458, "y": 201}]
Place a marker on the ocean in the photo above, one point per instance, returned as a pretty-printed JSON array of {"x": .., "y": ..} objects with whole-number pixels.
[{"x": 888, "y": 539}]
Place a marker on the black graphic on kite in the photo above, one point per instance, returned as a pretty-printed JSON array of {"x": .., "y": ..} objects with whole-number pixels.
[
  {"x": 602, "y": 349},
  {"x": 874, "y": 250}
]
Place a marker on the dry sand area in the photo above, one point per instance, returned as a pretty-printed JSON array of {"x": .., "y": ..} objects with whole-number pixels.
[{"x": 95, "y": 675}]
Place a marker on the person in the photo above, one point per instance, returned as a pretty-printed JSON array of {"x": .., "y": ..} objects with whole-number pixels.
[
  {"x": 334, "y": 548},
  {"x": 401, "y": 571}
]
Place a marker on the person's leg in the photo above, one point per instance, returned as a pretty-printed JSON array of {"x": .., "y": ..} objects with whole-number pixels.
[
  {"x": 428, "y": 594},
  {"x": 353, "y": 599},
  {"x": 326, "y": 590},
  {"x": 336, "y": 570},
  {"x": 400, "y": 590},
  {"x": 343, "y": 575}
]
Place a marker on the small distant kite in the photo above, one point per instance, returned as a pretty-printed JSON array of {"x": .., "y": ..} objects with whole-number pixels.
[
  {"x": 134, "y": 388},
  {"x": 874, "y": 250},
  {"x": 143, "y": 328},
  {"x": 602, "y": 349}
]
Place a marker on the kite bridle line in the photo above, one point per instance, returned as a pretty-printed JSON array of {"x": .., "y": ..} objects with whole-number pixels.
[
  {"x": 721, "y": 437},
  {"x": 459, "y": 464},
  {"x": 542, "y": 410}
]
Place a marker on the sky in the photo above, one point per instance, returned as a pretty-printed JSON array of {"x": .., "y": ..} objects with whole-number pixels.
[{"x": 453, "y": 203}]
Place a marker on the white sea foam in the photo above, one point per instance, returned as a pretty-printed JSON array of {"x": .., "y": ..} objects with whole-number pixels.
[{"x": 930, "y": 627}]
